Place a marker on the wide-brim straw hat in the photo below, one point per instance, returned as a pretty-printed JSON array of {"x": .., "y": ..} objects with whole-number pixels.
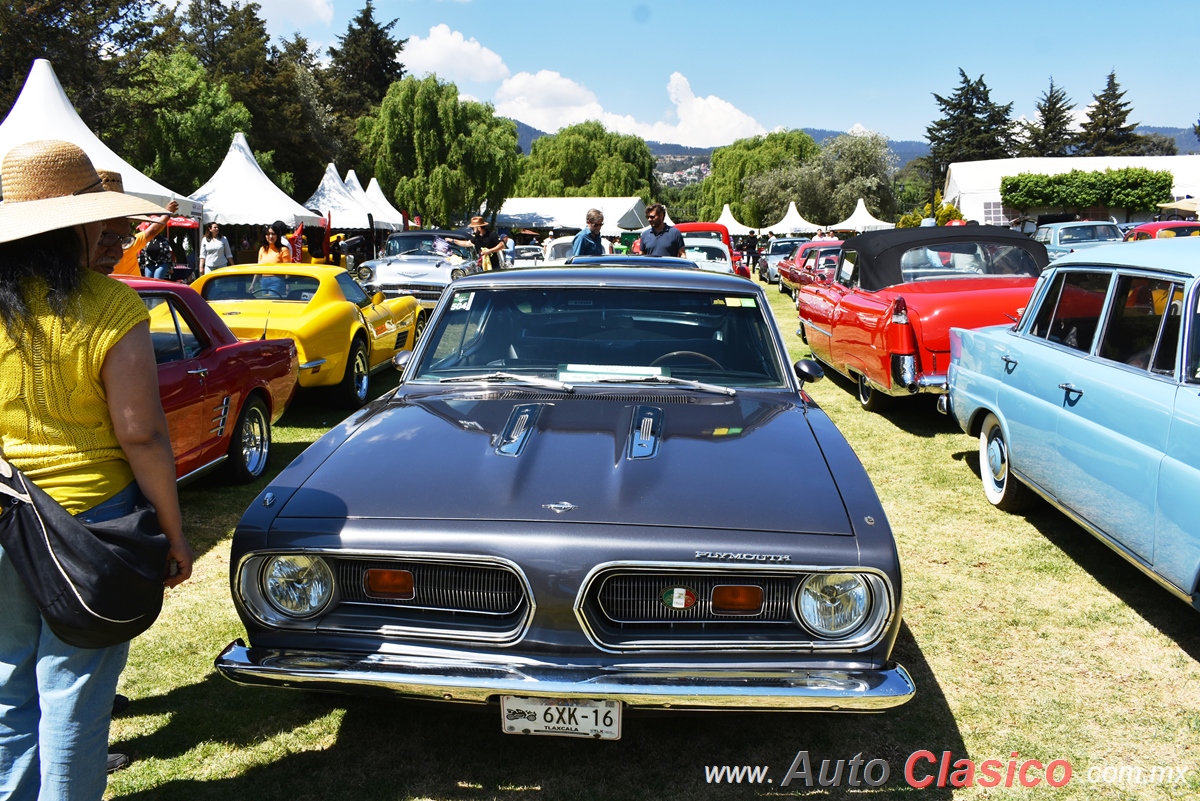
[
  {"x": 51, "y": 184},
  {"x": 478, "y": 222}
]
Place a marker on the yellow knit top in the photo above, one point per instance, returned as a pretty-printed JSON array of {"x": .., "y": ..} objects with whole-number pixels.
[{"x": 54, "y": 420}]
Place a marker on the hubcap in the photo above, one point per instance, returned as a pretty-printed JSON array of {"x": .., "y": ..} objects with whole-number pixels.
[
  {"x": 997, "y": 462},
  {"x": 361, "y": 377},
  {"x": 254, "y": 442}
]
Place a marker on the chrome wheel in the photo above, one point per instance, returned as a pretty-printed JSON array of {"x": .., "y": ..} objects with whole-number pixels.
[
  {"x": 250, "y": 445},
  {"x": 1002, "y": 490}
]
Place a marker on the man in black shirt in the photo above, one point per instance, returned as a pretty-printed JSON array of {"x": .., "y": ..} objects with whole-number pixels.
[{"x": 486, "y": 242}]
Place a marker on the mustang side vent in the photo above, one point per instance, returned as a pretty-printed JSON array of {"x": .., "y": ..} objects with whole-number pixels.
[
  {"x": 645, "y": 433},
  {"x": 221, "y": 419},
  {"x": 516, "y": 431}
]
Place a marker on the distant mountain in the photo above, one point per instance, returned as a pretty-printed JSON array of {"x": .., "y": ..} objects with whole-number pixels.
[
  {"x": 526, "y": 134},
  {"x": 1185, "y": 138}
]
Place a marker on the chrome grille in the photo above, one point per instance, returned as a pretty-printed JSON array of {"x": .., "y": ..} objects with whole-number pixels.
[
  {"x": 419, "y": 291},
  {"x": 637, "y": 598},
  {"x": 440, "y": 587}
]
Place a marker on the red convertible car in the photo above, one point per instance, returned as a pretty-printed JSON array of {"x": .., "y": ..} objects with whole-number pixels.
[
  {"x": 884, "y": 318},
  {"x": 812, "y": 261},
  {"x": 220, "y": 395}
]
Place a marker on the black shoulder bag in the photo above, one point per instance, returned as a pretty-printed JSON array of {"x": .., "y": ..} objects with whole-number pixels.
[{"x": 96, "y": 584}]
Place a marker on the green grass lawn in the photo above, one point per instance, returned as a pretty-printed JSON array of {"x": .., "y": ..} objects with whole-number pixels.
[{"x": 1023, "y": 634}]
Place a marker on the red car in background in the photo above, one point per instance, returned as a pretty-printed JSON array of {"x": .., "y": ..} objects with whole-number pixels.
[
  {"x": 716, "y": 231},
  {"x": 884, "y": 318},
  {"x": 1163, "y": 230},
  {"x": 220, "y": 395},
  {"x": 812, "y": 261}
]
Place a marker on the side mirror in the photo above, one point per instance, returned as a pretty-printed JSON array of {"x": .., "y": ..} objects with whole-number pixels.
[
  {"x": 400, "y": 360},
  {"x": 377, "y": 298},
  {"x": 807, "y": 370}
]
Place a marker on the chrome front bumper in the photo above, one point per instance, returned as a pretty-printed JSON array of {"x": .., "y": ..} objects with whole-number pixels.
[{"x": 652, "y": 687}]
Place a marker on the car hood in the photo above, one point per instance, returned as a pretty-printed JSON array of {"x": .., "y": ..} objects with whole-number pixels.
[
  {"x": 411, "y": 268},
  {"x": 937, "y": 306},
  {"x": 750, "y": 462}
]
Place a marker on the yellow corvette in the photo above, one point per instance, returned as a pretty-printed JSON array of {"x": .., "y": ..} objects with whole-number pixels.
[{"x": 342, "y": 335}]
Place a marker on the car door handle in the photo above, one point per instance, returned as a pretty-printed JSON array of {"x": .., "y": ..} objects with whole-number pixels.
[
  {"x": 201, "y": 371},
  {"x": 1071, "y": 388},
  {"x": 1009, "y": 360}
]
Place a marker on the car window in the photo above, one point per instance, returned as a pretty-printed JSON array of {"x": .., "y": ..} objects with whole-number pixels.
[
  {"x": 705, "y": 253},
  {"x": 170, "y": 333},
  {"x": 1143, "y": 323},
  {"x": 560, "y": 250},
  {"x": 1042, "y": 235},
  {"x": 847, "y": 271},
  {"x": 353, "y": 292},
  {"x": 584, "y": 334},
  {"x": 1185, "y": 230},
  {"x": 1191, "y": 370},
  {"x": 966, "y": 259},
  {"x": 1070, "y": 309},
  {"x": 260, "y": 286},
  {"x": 703, "y": 235}
]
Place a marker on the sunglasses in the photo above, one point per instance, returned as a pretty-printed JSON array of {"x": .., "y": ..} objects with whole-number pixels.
[{"x": 108, "y": 239}]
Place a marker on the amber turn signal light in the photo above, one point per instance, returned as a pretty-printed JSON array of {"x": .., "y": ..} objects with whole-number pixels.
[
  {"x": 395, "y": 585},
  {"x": 737, "y": 599}
]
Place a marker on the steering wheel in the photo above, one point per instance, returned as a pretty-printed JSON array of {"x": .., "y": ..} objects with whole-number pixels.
[
  {"x": 676, "y": 353},
  {"x": 262, "y": 294}
]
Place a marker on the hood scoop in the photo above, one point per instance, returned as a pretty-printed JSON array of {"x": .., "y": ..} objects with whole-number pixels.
[
  {"x": 521, "y": 421},
  {"x": 646, "y": 433}
]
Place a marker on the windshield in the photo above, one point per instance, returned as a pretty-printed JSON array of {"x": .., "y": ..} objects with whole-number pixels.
[
  {"x": 593, "y": 335},
  {"x": 703, "y": 235},
  {"x": 705, "y": 253},
  {"x": 256, "y": 286},
  {"x": 965, "y": 260},
  {"x": 425, "y": 245},
  {"x": 1089, "y": 233},
  {"x": 782, "y": 247}
]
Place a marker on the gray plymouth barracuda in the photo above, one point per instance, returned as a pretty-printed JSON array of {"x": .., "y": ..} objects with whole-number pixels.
[{"x": 555, "y": 512}]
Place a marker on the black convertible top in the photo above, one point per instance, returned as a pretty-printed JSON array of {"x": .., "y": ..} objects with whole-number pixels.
[{"x": 879, "y": 252}]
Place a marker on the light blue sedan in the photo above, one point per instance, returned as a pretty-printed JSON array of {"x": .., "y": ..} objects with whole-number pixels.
[
  {"x": 1068, "y": 237},
  {"x": 1092, "y": 401}
]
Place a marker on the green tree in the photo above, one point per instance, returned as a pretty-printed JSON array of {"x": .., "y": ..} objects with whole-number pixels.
[
  {"x": 585, "y": 160},
  {"x": 1131, "y": 188},
  {"x": 1155, "y": 144},
  {"x": 440, "y": 157},
  {"x": 971, "y": 128},
  {"x": 1106, "y": 132},
  {"x": 1050, "y": 134},
  {"x": 827, "y": 188},
  {"x": 732, "y": 165},
  {"x": 176, "y": 124},
  {"x": 91, "y": 43},
  {"x": 940, "y": 211},
  {"x": 683, "y": 202},
  {"x": 364, "y": 65}
]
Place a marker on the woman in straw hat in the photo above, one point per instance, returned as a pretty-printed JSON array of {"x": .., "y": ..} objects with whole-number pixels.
[{"x": 80, "y": 414}]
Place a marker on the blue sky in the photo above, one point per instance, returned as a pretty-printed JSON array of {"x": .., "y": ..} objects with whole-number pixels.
[{"x": 705, "y": 72}]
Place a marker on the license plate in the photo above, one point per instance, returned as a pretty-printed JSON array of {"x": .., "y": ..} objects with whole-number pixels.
[{"x": 565, "y": 717}]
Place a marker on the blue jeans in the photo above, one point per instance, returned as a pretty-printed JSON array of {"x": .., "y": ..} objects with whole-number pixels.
[{"x": 55, "y": 699}]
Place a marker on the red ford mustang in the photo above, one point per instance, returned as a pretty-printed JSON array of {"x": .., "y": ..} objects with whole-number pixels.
[
  {"x": 220, "y": 395},
  {"x": 884, "y": 317}
]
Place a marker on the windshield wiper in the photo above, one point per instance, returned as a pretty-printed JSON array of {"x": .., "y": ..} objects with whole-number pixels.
[
  {"x": 533, "y": 380},
  {"x": 672, "y": 380}
]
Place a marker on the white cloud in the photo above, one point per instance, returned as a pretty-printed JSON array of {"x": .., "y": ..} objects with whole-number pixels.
[
  {"x": 299, "y": 12},
  {"x": 452, "y": 57},
  {"x": 549, "y": 101}
]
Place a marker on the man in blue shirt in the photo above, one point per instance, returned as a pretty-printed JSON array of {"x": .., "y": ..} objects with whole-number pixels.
[
  {"x": 661, "y": 239},
  {"x": 587, "y": 242}
]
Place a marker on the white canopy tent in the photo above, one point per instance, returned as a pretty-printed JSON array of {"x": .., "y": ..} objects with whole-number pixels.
[
  {"x": 386, "y": 219},
  {"x": 735, "y": 228},
  {"x": 974, "y": 186},
  {"x": 334, "y": 200},
  {"x": 240, "y": 193},
  {"x": 620, "y": 213},
  {"x": 43, "y": 111},
  {"x": 375, "y": 193},
  {"x": 861, "y": 220},
  {"x": 793, "y": 223}
]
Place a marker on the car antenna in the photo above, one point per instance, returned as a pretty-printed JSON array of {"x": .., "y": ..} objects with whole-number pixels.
[{"x": 266, "y": 322}]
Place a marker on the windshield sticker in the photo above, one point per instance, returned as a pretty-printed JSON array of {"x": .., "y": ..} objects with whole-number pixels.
[
  {"x": 585, "y": 373},
  {"x": 733, "y": 303},
  {"x": 462, "y": 301},
  {"x": 726, "y": 432}
]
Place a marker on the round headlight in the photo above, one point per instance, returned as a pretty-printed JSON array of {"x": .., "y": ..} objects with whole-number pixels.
[
  {"x": 456, "y": 274},
  {"x": 365, "y": 273},
  {"x": 834, "y": 604},
  {"x": 299, "y": 586}
]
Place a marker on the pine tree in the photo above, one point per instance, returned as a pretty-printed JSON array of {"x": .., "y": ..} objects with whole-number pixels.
[
  {"x": 364, "y": 65},
  {"x": 1105, "y": 133},
  {"x": 972, "y": 127},
  {"x": 1051, "y": 134}
]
